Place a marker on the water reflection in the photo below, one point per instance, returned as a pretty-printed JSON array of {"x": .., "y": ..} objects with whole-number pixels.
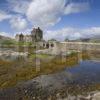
[
  {"x": 19, "y": 54},
  {"x": 12, "y": 54},
  {"x": 48, "y": 73},
  {"x": 87, "y": 72}
]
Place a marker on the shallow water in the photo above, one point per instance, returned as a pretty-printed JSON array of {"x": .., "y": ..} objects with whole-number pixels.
[{"x": 85, "y": 71}]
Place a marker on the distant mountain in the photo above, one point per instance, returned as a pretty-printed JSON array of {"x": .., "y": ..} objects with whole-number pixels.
[
  {"x": 95, "y": 39},
  {"x": 4, "y": 38},
  {"x": 79, "y": 40}
]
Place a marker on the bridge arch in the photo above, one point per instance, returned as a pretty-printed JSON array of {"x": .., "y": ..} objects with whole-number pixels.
[{"x": 48, "y": 45}]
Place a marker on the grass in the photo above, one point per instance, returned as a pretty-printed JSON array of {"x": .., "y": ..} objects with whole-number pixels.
[
  {"x": 7, "y": 42},
  {"x": 41, "y": 56},
  {"x": 14, "y": 43},
  {"x": 24, "y": 43}
]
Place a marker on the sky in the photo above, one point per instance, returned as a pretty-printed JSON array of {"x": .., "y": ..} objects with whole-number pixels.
[{"x": 59, "y": 19}]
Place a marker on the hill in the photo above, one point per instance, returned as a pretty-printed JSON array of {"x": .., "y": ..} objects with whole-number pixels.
[{"x": 6, "y": 40}]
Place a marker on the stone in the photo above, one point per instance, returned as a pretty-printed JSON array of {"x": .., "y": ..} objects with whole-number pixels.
[{"x": 35, "y": 36}]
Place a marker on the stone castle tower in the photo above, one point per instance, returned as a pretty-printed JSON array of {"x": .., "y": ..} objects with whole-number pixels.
[{"x": 35, "y": 36}]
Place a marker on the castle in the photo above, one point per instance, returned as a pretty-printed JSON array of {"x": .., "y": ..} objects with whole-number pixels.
[{"x": 35, "y": 36}]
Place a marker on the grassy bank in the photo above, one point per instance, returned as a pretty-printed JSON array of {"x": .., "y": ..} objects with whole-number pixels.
[{"x": 13, "y": 43}]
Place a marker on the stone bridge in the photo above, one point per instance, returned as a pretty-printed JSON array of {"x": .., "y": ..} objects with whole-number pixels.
[
  {"x": 61, "y": 47},
  {"x": 71, "y": 45}
]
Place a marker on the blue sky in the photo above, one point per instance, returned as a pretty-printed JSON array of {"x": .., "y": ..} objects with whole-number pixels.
[{"x": 59, "y": 19}]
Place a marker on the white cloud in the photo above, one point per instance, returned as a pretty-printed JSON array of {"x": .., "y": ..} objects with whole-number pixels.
[
  {"x": 5, "y": 34},
  {"x": 19, "y": 6},
  {"x": 4, "y": 16},
  {"x": 45, "y": 12},
  {"x": 60, "y": 34},
  {"x": 76, "y": 8},
  {"x": 18, "y": 23},
  {"x": 49, "y": 12},
  {"x": 72, "y": 33},
  {"x": 25, "y": 32}
]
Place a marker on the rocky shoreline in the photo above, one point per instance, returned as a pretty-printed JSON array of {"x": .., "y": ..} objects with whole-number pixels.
[
  {"x": 12, "y": 55},
  {"x": 46, "y": 87}
]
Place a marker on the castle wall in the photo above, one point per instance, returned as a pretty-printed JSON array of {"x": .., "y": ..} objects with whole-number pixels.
[
  {"x": 28, "y": 38},
  {"x": 35, "y": 36},
  {"x": 17, "y": 38}
]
